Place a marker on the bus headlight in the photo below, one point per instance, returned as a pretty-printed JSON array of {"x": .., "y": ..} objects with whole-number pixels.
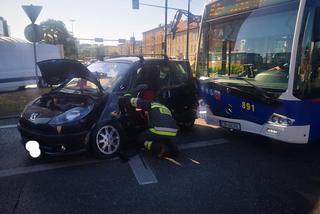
[{"x": 277, "y": 119}]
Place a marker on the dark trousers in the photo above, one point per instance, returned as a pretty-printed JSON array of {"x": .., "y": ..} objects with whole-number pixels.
[{"x": 159, "y": 143}]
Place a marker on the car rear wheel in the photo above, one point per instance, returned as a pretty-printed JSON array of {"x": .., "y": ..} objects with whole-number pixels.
[{"x": 107, "y": 140}]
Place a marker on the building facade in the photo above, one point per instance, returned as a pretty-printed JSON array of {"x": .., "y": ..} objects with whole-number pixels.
[
  {"x": 177, "y": 46},
  {"x": 153, "y": 41},
  {"x": 130, "y": 47},
  {"x": 111, "y": 51}
]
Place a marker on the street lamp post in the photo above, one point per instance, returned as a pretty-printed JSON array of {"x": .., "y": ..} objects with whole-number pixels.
[
  {"x": 72, "y": 21},
  {"x": 133, "y": 41},
  {"x": 154, "y": 44},
  {"x": 74, "y": 40},
  {"x": 188, "y": 23},
  {"x": 165, "y": 28}
]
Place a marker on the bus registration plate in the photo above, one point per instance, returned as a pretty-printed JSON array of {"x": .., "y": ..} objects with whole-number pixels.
[{"x": 230, "y": 125}]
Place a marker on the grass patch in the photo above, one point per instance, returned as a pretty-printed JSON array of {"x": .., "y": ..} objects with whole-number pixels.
[{"x": 12, "y": 103}]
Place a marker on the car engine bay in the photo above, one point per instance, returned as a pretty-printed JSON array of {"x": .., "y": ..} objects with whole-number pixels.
[{"x": 63, "y": 101}]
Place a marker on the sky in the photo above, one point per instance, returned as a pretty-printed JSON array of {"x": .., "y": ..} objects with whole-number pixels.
[{"x": 109, "y": 19}]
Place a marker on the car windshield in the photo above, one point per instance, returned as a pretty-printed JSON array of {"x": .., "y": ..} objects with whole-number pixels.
[
  {"x": 109, "y": 73},
  {"x": 80, "y": 86}
]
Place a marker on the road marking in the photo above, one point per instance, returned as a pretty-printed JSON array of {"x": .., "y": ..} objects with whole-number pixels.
[
  {"x": 201, "y": 144},
  {"x": 145, "y": 175},
  {"x": 142, "y": 171},
  {"x": 8, "y": 126},
  {"x": 43, "y": 167},
  {"x": 134, "y": 161}
]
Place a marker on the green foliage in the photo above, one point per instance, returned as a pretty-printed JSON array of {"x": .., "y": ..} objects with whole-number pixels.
[
  {"x": 237, "y": 69},
  {"x": 214, "y": 68},
  {"x": 55, "y": 32}
]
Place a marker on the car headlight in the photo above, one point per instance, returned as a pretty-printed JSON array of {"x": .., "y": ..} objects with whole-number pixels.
[
  {"x": 28, "y": 106},
  {"x": 73, "y": 114},
  {"x": 277, "y": 119}
]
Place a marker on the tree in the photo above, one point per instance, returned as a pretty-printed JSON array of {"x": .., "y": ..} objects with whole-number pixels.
[{"x": 55, "y": 32}]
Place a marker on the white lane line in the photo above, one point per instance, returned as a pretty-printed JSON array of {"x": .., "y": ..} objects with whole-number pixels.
[
  {"x": 45, "y": 167},
  {"x": 142, "y": 171},
  {"x": 8, "y": 126},
  {"x": 201, "y": 144},
  {"x": 42, "y": 167}
]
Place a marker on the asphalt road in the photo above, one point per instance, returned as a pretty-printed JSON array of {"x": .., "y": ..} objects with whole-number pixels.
[{"x": 220, "y": 172}]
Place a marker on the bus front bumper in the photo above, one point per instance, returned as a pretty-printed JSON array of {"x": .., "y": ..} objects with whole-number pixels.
[{"x": 288, "y": 134}]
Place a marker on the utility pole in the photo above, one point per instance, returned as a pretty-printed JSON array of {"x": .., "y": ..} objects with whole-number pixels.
[
  {"x": 188, "y": 23},
  {"x": 133, "y": 44},
  {"x": 154, "y": 45},
  {"x": 74, "y": 39},
  {"x": 165, "y": 28},
  {"x": 72, "y": 21}
]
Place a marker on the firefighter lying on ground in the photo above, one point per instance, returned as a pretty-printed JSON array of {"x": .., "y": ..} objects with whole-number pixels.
[{"x": 162, "y": 128}]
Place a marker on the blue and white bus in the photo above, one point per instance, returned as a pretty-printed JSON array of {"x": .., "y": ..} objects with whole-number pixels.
[{"x": 258, "y": 66}]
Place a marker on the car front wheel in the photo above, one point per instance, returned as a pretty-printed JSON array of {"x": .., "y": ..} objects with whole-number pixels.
[{"x": 107, "y": 140}]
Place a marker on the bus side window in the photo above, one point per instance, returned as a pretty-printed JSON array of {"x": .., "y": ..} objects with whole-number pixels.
[
  {"x": 315, "y": 77},
  {"x": 304, "y": 69},
  {"x": 308, "y": 77}
]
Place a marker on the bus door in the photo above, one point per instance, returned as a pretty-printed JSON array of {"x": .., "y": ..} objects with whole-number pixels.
[{"x": 307, "y": 73}]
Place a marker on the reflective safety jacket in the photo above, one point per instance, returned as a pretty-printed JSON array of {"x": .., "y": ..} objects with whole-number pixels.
[{"x": 160, "y": 121}]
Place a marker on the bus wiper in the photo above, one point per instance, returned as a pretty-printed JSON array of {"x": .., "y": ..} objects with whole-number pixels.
[{"x": 262, "y": 91}]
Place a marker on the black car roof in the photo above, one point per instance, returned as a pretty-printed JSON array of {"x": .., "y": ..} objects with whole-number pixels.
[
  {"x": 123, "y": 59},
  {"x": 136, "y": 59}
]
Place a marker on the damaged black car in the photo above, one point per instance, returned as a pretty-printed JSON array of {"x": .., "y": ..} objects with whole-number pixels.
[{"x": 83, "y": 112}]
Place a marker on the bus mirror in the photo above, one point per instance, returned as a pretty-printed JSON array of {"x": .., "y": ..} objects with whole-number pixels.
[{"x": 316, "y": 31}]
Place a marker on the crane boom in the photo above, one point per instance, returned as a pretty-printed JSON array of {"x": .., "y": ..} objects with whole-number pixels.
[{"x": 177, "y": 18}]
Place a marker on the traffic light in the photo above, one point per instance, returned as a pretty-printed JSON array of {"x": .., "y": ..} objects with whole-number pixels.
[{"x": 135, "y": 4}]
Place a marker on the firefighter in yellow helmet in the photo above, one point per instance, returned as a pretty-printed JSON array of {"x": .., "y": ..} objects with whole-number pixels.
[{"x": 162, "y": 128}]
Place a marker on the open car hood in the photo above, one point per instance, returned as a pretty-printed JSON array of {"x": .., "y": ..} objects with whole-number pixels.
[{"x": 57, "y": 71}]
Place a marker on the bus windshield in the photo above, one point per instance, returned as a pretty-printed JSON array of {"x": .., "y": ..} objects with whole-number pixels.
[{"x": 255, "y": 45}]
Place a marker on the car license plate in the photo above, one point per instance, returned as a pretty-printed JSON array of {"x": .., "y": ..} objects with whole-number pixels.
[{"x": 230, "y": 125}]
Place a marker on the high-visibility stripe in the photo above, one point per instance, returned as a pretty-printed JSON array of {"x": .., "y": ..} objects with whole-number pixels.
[
  {"x": 164, "y": 133},
  {"x": 127, "y": 95},
  {"x": 148, "y": 144},
  {"x": 134, "y": 101},
  {"x": 157, "y": 106},
  {"x": 165, "y": 129},
  {"x": 163, "y": 109}
]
